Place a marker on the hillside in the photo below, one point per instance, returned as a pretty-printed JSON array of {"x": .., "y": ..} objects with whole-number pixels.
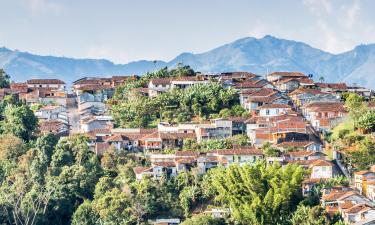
[{"x": 247, "y": 54}]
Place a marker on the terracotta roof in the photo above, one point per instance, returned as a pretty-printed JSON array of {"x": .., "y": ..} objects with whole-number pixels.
[
  {"x": 326, "y": 106},
  {"x": 264, "y": 92},
  {"x": 239, "y": 74},
  {"x": 303, "y": 153},
  {"x": 157, "y": 81},
  {"x": 239, "y": 151},
  {"x": 45, "y": 81},
  {"x": 362, "y": 172},
  {"x": 321, "y": 162},
  {"x": 305, "y": 80},
  {"x": 275, "y": 106},
  {"x": 306, "y": 91},
  {"x": 186, "y": 153},
  {"x": 50, "y": 107},
  {"x": 298, "y": 144},
  {"x": 248, "y": 84},
  {"x": 164, "y": 164},
  {"x": 358, "y": 208},
  {"x": 94, "y": 87},
  {"x": 346, "y": 205},
  {"x": 187, "y": 78},
  {"x": 336, "y": 194},
  {"x": 140, "y": 169},
  {"x": 286, "y": 80},
  {"x": 116, "y": 138},
  {"x": 288, "y": 74},
  {"x": 338, "y": 86},
  {"x": 186, "y": 160},
  {"x": 50, "y": 126}
]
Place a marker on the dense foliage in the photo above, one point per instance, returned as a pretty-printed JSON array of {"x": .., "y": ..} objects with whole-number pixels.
[{"x": 131, "y": 109}]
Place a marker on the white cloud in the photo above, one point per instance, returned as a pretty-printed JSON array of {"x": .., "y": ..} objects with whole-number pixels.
[{"x": 351, "y": 14}]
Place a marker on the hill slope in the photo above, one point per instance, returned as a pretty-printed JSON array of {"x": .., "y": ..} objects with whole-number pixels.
[{"x": 247, "y": 54}]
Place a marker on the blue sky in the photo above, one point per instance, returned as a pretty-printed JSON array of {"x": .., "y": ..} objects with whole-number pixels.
[{"x": 125, "y": 30}]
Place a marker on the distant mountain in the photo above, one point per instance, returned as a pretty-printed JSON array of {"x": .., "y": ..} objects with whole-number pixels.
[{"x": 248, "y": 54}]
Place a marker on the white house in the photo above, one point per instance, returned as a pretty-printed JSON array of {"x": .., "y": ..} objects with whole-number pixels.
[
  {"x": 273, "y": 110},
  {"x": 321, "y": 169}
]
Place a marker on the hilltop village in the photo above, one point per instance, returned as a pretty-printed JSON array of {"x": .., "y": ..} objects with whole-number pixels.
[{"x": 180, "y": 127}]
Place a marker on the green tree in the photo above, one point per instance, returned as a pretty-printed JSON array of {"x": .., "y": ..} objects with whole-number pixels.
[
  {"x": 268, "y": 150},
  {"x": 85, "y": 215},
  {"x": 4, "y": 79},
  {"x": 114, "y": 208},
  {"x": 356, "y": 105},
  {"x": 19, "y": 121},
  {"x": 305, "y": 215},
  {"x": 260, "y": 193}
]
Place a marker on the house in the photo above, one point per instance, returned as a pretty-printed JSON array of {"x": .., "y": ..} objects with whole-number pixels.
[
  {"x": 321, "y": 168},
  {"x": 96, "y": 122},
  {"x": 362, "y": 91},
  {"x": 217, "y": 129},
  {"x": 274, "y": 110},
  {"x": 324, "y": 115},
  {"x": 46, "y": 83},
  {"x": 51, "y": 112},
  {"x": 252, "y": 99},
  {"x": 188, "y": 81},
  {"x": 287, "y": 85},
  {"x": 303, "y": 96},
  {"x": 141, "y": 172},
  {"x": 56, "y": 127},
  {"x": 336, "y": 88},
  {"x": 238, "y": 155},
  {"x": 277, "y": 129},
  {"x": 309, "y": 184},
  {"x": 361, "y": 178},
  {"x": 358, "y": 212},
  {"x": 276, "y": 76},
  {"x": 304, "y": 155},
  {"x": 299, "y": 145},
  {"x": 173, "y": 221},
  {"x": 161, "y": 169},
  {"x": 158, "y": 85},
  {"x": 118, "y": 141},
  {"x": 101, "y": 148}
]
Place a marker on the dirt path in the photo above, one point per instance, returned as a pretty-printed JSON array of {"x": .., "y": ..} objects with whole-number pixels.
[{"x": 73, "y": 114}]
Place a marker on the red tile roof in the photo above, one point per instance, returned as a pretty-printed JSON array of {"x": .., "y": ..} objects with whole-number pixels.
[
  {"x": 288, "y": 74},
  {"x": 298, "y": 144},
  {"x": 187, "y": 153},
  {"x": 337, "y": 86},
  {"x": 321, "y": 162},
  {"x": 140, "y": 169},
  {"x": 358, "y": 208},
  {"x": 326, "y": 107},
  {"x": 239, "y": 151},
  {"x": 157, "y": 81},
  {"x": 45, "y": 81},
  {"x": 275, "y": 106},
  {"x": 164, "y": 164}
]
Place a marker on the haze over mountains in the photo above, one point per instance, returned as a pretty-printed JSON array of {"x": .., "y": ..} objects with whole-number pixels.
[{"x": 247, "y": 54}]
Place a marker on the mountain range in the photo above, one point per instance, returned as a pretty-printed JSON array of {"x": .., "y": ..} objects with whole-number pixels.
[{"x": 260, "y": 56}]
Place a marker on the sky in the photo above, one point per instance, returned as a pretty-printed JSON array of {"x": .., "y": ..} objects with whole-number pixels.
[{"x": 130, "y": 30}]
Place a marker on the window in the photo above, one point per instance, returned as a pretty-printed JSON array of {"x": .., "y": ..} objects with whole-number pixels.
[{"x": 267, "y": 112}]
